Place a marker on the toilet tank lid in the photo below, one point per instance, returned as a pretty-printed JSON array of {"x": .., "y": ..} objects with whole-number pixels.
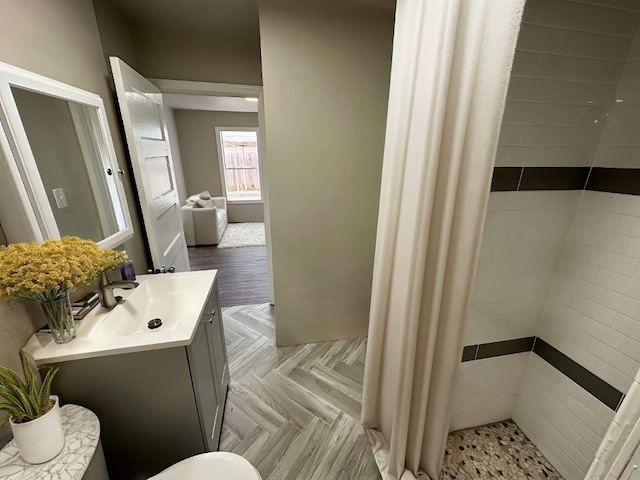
[{"x": 210, "y": 466}]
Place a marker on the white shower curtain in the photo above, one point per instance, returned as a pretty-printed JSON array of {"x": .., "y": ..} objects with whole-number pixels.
[{"x": 449, "y": 78}]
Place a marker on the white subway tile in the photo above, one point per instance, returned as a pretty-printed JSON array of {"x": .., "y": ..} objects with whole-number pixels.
[
  {"x": 619, "y": 136},
  {"x": 572, "y": 42},
  {"x": 562, "y": 67},
  {"x": 505, "y": 218},
  {"x": 585, "y": 288},
  {"x": 633, "y": 249},
  {"x": 592, "y": 200},
  {"x": 612, "y": 242},
  {"x": 632, "y": 114},
  {"x": 582, "y": 17},
  {"x": 520, "y": 112},
  {"x": 631, "y": 348},
  {"x": 568, "y": 115},
  {"x": 562, "y": 92},
  {"x": 618, "y": 157},
  {"x": 493, "y": 236},
  {"x": 515, "y": 88},
  {"x": 622, "y": 284},
  {"x": 516, "y": 156},
  {"x": 577, "y": 268},
  {"x": 592, "y": 309},
  {"x": 629, "y": 5},
  {"x": 631, "y": 72},
  {"x": 627, "y": 326},
  {"x": 577, "y": 251},
  {"x": 510, "y": 135},
  {"x": 606, "y": 346},
  {"x": 625, "y": 204},
  {"x": 536, "y": 135},
  {"x": 525, "y": 64},
  {"x": 622, "y": 304},
  {"x": 568, "y": 343},
  {"x": 496, "y": 201},
  {"x": 576, "y": 136},
  {"x": 597, "y": 219},
  {"x": 613, "y": 262}
]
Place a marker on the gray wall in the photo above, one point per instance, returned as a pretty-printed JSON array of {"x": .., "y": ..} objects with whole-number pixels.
[
  {"x": 326, "y": 80},
  {"x": 196, "y": 133},
  {"x": 190, "y": 56},
  {"x": 59, "y": 40},
  {"x": 116, "y": 33}
]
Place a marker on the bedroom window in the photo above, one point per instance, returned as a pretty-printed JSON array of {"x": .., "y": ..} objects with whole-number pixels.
[{"x": 239, "y": 164}]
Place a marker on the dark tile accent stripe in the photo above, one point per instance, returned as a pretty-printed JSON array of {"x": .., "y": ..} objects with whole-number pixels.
[
  {"x": 469, "y": 353},
  {"x": 507, "y": 347},
  {"x": 511, "y": 179},
  {"x": 593, "y": 384},
  {"x": 505, "y": 179},
  {"x": 615, "y": 180},
  {"x": 554, "y": 178},
  {"x": 497, "y": 349}
]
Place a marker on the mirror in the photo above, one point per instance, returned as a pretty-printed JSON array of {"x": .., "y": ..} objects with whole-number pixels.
[{"x": 59, "y": 176}]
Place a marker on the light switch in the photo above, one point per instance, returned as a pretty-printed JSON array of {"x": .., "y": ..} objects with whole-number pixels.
[{"x": 61, "y": 197}]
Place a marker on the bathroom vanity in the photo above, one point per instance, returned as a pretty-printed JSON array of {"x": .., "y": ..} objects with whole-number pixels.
[{"x": 159, "y": 393}]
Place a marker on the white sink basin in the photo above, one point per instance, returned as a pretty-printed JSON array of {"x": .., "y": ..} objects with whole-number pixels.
[
  {"x": 178, "y": 299},
  {"x": 163, "y": 296}
]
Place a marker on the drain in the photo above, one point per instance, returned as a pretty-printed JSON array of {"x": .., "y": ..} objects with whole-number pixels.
[{"x": 155, "y": 323}]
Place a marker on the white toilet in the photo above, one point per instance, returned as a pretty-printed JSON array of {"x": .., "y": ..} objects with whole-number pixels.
[{"x": 210, "y": 466}]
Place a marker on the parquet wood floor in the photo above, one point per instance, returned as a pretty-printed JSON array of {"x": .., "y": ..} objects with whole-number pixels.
[{"x": 293, "y": 412}]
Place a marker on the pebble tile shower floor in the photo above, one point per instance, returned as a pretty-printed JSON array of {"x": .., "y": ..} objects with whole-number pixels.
[{"x": 499, "y": 450}]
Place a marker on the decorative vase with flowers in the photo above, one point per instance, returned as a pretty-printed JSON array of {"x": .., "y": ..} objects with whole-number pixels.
[{"x": 47, "y": 272}]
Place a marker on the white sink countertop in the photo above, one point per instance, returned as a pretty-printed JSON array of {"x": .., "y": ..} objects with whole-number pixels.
[{"x": 178, "y": 299}]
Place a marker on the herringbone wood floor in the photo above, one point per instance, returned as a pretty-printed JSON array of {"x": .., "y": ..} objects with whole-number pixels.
[{"x": 294, "y": 412}]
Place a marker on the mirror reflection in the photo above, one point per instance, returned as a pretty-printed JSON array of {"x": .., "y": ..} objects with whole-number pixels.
[{"x": 65, "y": 147}]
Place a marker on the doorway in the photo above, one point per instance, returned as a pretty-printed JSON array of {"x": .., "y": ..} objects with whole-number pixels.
[{"x": 194, "y": 111}]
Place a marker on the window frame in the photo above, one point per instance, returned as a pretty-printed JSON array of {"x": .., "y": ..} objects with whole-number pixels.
[{"x": 223, "y": 179}]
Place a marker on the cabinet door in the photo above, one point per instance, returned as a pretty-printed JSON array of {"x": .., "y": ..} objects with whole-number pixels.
[
  {"x": 205, "y": 384},
  {"x": 218, "y": 345}
]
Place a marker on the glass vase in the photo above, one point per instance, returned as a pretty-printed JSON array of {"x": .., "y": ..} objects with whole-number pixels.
[{"x": 60, "y": 318}]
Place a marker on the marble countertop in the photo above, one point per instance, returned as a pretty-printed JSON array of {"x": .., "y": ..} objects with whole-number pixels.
[
  {"x": 81, "y": 436},
  {"x": 88, "y": 344}
]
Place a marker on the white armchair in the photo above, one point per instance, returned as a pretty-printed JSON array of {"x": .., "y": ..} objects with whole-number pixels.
[{"x": 204, "y": 219}]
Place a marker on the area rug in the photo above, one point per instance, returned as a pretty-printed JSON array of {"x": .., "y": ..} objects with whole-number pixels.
[{"x": 243, "y": 235}]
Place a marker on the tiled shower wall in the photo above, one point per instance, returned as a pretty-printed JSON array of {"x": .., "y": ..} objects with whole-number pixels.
[
  {"x": 562, "y": 265},
  {"x": 592, "y": 311}
]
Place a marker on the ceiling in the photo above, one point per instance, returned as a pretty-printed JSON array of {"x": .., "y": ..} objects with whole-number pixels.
[
  {"x": 218, "y": 104},
  {"x": 227, "y": 18}
]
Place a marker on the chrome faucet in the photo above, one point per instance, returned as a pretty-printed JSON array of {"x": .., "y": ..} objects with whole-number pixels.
[{"x": 106, "y": 286}]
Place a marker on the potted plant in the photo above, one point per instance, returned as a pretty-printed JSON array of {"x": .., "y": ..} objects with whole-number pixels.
[
  {"x": 47, "y": 272},
  {"x": 32, "y": 412}
]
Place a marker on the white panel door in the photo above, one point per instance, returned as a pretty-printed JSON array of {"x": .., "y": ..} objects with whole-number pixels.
[{"x": 145, "y": 129}]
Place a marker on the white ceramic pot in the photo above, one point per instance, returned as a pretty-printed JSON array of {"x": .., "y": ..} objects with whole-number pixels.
[{"x": 41, "y": 439}]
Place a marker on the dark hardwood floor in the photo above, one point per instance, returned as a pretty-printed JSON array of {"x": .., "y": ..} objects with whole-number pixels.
[{"x": 242, "y": 272}]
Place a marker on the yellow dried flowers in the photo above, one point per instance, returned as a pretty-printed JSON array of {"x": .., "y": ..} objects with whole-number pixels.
[{"x": 49, "y": 270}]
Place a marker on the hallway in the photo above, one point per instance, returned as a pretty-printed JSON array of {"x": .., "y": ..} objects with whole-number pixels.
[{"x": 242, "y": 272}]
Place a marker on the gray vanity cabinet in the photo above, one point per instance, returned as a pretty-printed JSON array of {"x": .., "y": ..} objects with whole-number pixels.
[
  {"x": 155, "y": 407},
  {"x": 208, "y": 361}
]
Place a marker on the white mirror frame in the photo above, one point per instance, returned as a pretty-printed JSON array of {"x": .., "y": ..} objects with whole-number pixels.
[{"x": 25, "y": 212}]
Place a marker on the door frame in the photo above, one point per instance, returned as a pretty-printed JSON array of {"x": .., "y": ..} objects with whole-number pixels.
[{"x": 235, "y": 90}]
